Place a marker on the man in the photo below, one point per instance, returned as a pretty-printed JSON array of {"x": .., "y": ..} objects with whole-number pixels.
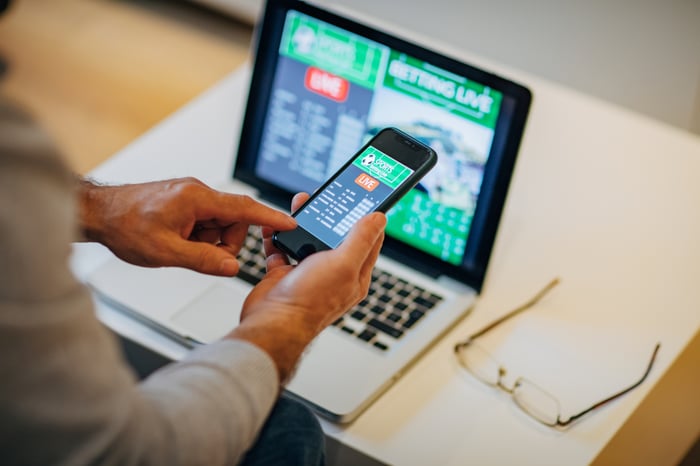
[{"x": 67, "y": 396}]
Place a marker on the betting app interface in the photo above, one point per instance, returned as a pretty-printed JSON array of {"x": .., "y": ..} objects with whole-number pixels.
[{"x": 355, "y": 192}]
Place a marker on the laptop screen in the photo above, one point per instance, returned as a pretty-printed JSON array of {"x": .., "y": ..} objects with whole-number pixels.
[{"x": 323, "y": 85}]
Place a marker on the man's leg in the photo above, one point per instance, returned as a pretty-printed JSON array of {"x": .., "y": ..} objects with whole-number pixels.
[{"x": 291, "y": 436}]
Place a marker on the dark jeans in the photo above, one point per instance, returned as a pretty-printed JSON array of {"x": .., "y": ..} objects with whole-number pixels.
[{"x": 291, "y": 436}]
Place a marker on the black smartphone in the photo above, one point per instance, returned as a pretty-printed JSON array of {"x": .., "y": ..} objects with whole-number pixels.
[{"x": 374, "y": 179}]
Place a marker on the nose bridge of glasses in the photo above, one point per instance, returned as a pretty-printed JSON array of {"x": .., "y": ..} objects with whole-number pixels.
[{"x": 501, "y": 383}]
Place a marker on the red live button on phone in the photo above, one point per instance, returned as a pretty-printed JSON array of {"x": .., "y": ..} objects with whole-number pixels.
[
  {"x": 328, "y": 85},
  {"x": 366, "y": 182}
]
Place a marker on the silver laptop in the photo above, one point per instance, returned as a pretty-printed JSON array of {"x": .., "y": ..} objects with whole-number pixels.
[{"x": 322, "y": 84}]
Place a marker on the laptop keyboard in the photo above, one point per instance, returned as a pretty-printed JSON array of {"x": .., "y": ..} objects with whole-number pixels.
[
  {"x": 252, "y": 258},
  {"x": 392, "y": 307}
]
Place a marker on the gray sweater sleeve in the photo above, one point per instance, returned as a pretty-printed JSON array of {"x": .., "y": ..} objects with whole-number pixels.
[{"x": 66, "y": 394}]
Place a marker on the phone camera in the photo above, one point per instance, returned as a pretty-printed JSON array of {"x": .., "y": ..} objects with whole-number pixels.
[{"x": 410, "y": 144}]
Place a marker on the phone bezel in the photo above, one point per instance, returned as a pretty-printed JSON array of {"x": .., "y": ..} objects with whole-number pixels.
[{"x": 394, "y": 143}]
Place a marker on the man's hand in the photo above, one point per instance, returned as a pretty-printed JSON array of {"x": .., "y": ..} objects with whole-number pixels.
[
  {"x": 179, "y": 222},
  {"x": 293, "y": 303}
]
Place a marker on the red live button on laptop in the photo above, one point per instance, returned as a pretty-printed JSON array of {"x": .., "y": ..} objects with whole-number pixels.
[{"x": 327, "y": 84}]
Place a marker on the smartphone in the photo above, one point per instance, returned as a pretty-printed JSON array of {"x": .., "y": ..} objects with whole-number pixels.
[{"x": 374, "y": 179}]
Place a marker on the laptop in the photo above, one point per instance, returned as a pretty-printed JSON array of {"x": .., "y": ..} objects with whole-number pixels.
[{"x": 322, "y": 84}]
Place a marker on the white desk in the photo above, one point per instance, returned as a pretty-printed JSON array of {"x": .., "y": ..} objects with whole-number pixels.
[{"x": 601, "y": 197}]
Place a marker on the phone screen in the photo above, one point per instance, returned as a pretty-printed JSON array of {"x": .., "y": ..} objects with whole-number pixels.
[{"x": 358, "y": 190}]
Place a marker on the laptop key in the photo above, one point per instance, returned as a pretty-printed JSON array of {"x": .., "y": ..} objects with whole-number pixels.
[
  {"x": 366, "y": 335},
  {"x": 249, "y": 277},
  {"x": 401, "y": 306},
  {"x": 381, "y": 345},
  {"x": 385, "y": 328},
  {"x": 410, "y": 322},
  {"x": 421, "y": 301}
]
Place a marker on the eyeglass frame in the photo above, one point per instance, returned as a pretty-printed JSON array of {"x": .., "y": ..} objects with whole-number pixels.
[{"x": 501, "y": 370}]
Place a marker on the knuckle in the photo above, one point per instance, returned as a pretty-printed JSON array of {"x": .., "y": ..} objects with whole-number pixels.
[
  {"x": 189, "y": 185},
  {"x": 246, "y": 201},
  {"x": 192, "y": 187},
  {"x": 191, "y": 180}
]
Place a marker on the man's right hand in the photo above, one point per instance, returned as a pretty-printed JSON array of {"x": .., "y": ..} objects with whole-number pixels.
[
  {"x": 180, "y": 222},
  {"x": 293, "y": 303}
]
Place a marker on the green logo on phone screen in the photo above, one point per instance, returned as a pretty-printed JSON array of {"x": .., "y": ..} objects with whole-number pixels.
[{"x": 382, "y": 167}]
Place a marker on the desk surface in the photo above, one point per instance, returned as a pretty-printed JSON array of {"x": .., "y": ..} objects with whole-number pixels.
[{"x": 603, "y": 198}]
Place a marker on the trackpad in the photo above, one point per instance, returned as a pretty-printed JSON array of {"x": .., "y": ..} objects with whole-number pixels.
[{"x": 212, "y": 314}]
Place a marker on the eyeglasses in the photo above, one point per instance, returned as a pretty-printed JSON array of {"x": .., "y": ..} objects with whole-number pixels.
[{"x": 532, "y": 399}]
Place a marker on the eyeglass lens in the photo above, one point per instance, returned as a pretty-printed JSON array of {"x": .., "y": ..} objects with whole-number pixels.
[
  {"x": 479, "y": 362},
  {"x": 536, "y": 402}
]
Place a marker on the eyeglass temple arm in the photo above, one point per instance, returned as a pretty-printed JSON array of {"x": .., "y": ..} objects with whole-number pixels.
[
  {"x": 616, "y": 395},
  {"x": 518, "y": 309}
]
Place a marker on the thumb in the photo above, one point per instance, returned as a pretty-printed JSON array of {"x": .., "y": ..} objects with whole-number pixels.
[{"x": 204, "y": 258}]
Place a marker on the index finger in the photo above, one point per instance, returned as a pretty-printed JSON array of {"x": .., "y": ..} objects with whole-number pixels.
[{"x": 231, "y": 208}]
